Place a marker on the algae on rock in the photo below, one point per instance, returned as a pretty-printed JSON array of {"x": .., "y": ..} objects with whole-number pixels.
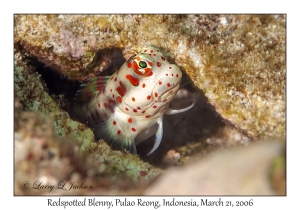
[{"x": 30, "y": 90}]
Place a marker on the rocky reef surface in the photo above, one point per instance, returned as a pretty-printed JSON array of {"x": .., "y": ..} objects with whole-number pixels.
[
  {"x": 235, "y": 71},
  {"x": 43, "y": 159}
]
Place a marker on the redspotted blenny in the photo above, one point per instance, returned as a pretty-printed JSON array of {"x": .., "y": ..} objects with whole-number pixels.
[{"x": 128, "y": 107}]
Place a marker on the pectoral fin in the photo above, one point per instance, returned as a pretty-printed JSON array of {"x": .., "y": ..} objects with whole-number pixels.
[
  {"x": 173, "y": 111},
  {"x": 158, "y": 135}
]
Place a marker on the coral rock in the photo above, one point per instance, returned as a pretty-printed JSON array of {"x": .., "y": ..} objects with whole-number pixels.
[{"x": 237, "y": 60}]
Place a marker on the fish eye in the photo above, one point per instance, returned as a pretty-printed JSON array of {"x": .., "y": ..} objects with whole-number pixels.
[{"x": 142, "y": 64}]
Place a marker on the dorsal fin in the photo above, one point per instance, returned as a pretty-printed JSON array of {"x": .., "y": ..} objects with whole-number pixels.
[{"x": 90, "y": 88}]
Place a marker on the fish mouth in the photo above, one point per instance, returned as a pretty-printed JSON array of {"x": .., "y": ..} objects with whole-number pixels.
[{"x": 168, "y": 93}]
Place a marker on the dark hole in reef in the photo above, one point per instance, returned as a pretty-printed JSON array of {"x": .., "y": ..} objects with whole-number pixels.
[
  {"x": 60, "y": 88},
  {"x": 194, "y": 125}
]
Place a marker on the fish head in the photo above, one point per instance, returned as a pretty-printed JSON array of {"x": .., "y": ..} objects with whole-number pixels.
[{"x": 148, "y": 78}]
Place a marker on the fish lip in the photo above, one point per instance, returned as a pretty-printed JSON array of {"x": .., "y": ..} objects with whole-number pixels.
[{"x": 176, "y": 86}]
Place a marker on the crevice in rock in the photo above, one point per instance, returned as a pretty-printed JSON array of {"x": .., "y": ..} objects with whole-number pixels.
[{"x": 180, "y": 130}]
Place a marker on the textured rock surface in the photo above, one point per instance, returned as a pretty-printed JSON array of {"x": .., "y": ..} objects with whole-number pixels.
[
  {"x": 237, "y": 60},
  {"x": 43, "y": 159},
  {"x": 238, "y": 172},
  {"x": 33, "y": 96}
]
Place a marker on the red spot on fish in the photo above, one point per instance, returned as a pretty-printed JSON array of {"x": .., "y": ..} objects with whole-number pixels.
[
  {"x": 134, "y": 81},
  {"x": 121, "y": 89},
  {"x": 148, "y": 97},
  {"x": 154, "y": 107},
  {"x": 112, "y": 101},
  {"x": 113, "y": 95},
  {"x": 134, "y": 110},
  {"x": 148, "y": 116},
  {"x": 167, "y": 74},
  {"x": 144, "y": 85},
  {"x": 171, "y": 92},
  {"x": 168, "y": 85},
  {"x": 143, "y": 173},
  {"x": 114, "y": 122},
  {"x": 133, "y": 129},
  {"x": 105, "y": 105},
  {"x": 172, "y": 75},
  {"x": 143, "y": 112},
  {"x": 129, "y": 65},
  {"x": 151, "y": 51},
  {"x": 160, "y": 83},
  {"x": 150, "y": 64},
  {"x": 116, "y": 79},
  {"x": 154, "y": 54},
  {"x": 119, "y": 99},
  {"x": 133, "y": 99},
  {"x": 170, "y": 67},
  {"x": 119, "y": 132},
  {"x": 155, "y": 94},
  {"x": 150, "y": 74},
  {"x": 126, "y": 109},
  {"x": 139, "y": 108},
  {"x": 158, "y": 64},
  {"x": 130, "y": 120},
  {"x": 110, "y": 90},
  {"x": 145, "y": 50},
  {"x": 163, "y": 58},
  {"x": 99, "y": 105},
  {"x": 176, "y": 75},
  {"x": 165, "y": 100}
]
